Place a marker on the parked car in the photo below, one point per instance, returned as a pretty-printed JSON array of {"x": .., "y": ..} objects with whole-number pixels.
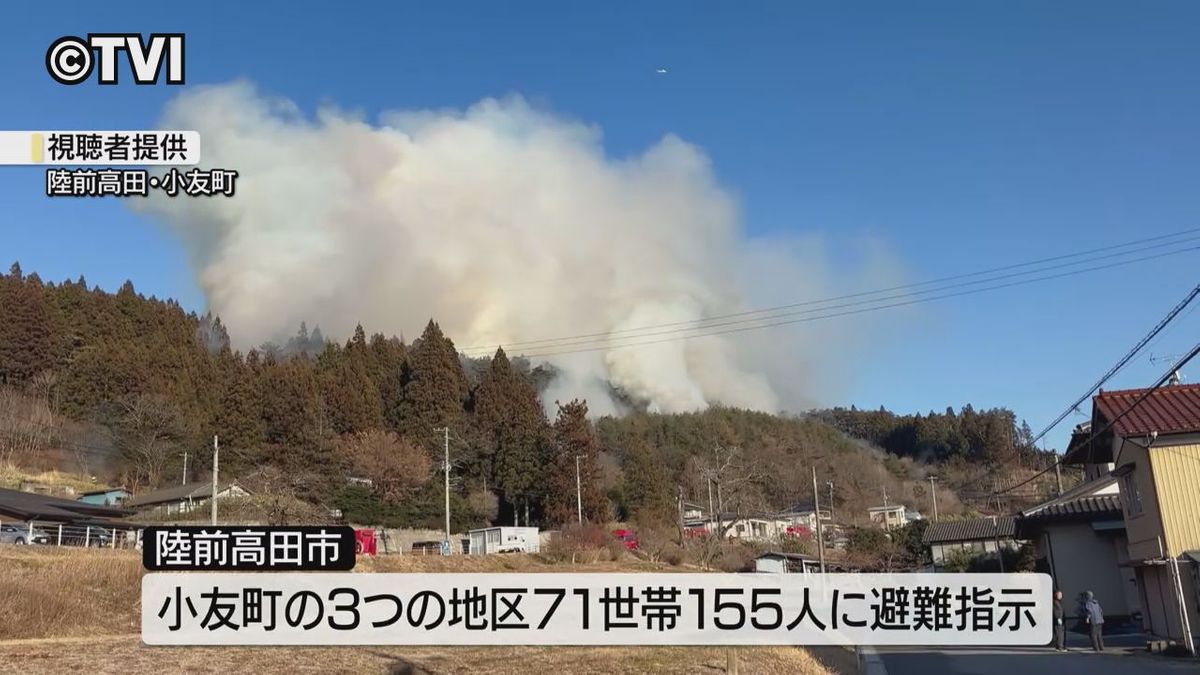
[
  {"x": 20, "y": 535},
  {"x": 628, "y": 538},
  {"x": 86, "y": 536}
]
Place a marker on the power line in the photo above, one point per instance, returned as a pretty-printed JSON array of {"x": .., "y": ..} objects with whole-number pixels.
[
  {"x": 1096, "y": 434},
  {"x": 679, "y": 334},
  {"x": 1158, "y": 328},
  {"x": 701, "y": 323},
  {"x": 1120, "y": 365}
]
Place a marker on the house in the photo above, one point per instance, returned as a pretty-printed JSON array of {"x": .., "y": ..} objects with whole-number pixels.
[
  {"x": 105, "y": 497},
  {"x": 786, "y": 563},
  {"x": 749, "y": 528},
  {"x": 692, "y": 511},
  {"x": 1081, "y": 542},
  {"x": 28, "y": 506},
  {"x": 1150, "y": 440},
  {"x": 889, "y": 517},
  {"x": 807, "y": 515},
  {"x": 182, "y": 498},
  {"x": 980, "y": 535}
]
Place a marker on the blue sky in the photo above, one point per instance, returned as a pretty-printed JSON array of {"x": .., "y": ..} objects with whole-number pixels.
[{"x": 961, "y": 135}]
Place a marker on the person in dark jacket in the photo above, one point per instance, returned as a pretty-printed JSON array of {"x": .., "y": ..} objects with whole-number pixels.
[
  {"x": 1095, "y": 619},
  {"x": 1060, "y": 628}
]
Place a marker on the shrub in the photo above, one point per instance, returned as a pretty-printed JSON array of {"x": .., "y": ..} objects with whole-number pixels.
[{"x": 579, "y": 543}]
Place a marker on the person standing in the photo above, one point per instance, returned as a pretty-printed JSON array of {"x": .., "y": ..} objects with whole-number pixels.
[
  {"x": 1060, "y": 628},
  {"x": 1095, "y": 618}
]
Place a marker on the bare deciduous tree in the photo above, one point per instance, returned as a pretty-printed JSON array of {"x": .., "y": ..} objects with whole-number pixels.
[
  {"x": 395, "y": 466},
  {"x": 149, "y": 431}
]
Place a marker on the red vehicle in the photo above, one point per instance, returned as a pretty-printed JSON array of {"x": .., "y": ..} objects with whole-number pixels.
[
  {"x": 364, "y": 542},
  {"x": 798, "y": 531},
  {"x": 628, "y": 538}
]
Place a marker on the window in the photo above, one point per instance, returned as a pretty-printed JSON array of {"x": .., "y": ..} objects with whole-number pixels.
[{"x": 1131, "y": 494}]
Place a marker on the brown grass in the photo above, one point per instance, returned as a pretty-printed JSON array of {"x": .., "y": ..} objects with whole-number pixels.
[
  {"x": 65, "y": 592},
  {"x": 64, "y": 610},
  {"x": 12, "y": 476},
  {"x": 128, "y": 655}
]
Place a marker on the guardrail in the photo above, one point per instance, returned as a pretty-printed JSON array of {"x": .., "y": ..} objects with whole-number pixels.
[{"x": 43, "y": 533}]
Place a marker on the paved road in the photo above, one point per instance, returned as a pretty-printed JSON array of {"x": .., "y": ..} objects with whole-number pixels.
[{"x": 1034, "y": 660}]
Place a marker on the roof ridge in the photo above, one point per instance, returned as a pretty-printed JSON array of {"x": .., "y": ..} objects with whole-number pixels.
[{"x": 1138, "y": 390}]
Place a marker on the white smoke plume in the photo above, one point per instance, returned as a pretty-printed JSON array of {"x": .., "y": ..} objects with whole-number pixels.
[{"x": 505, "y": 223}]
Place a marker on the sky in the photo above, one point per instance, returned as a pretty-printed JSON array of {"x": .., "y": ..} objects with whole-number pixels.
[{"x": 959, "y": 136}]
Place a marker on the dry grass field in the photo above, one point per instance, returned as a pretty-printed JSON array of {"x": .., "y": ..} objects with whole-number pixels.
[{"x": 72, "y": 610}]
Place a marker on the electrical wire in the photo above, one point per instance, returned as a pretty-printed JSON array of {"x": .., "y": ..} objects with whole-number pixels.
[
  {"x": 1166, "y": 377},
  {"x": 768, "y": 312},
  {"x": 681, "y": 334}
]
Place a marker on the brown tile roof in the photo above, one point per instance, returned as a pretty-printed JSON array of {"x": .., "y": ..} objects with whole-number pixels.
[{"x": 1171, "y": 409}]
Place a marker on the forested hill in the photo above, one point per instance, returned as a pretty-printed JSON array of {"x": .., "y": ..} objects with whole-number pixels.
[
  {"x": 982, "y": 436},
  {"x": 121, "y": 385}
]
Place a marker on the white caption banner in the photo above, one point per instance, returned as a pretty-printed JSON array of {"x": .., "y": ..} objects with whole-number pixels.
[
  {"x": 595, "y": 609},
  {"x": 100, "y": 148}
]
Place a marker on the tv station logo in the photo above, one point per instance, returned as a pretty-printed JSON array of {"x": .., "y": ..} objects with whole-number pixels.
[{"x": 71, "y": 60}]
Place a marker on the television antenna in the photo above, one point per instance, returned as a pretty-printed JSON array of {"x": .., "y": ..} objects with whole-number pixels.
[{"x": 1176, "y": 377}]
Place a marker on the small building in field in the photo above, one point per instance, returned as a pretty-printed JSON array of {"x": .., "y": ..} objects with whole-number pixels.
[
  {"x": 182, "y": 499},
  {"x": 491, "y": 540},
  {"x": 786, "y": 563},
  {"x": 106, "y": 497}
]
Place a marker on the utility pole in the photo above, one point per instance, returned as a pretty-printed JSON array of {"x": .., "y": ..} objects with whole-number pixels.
[
  {"x": 184, "y": 467},
  {"x": 933, "y": 491},
  {"x": 1058, "y": 476},
  {"x": 999, "y": 552},
  {"x": 446, "y": 466},
  {"x": 216, "y": 471},
  {"x": 830, "y": 501},
  {"x": 578, "y": 492},
  {"x": 885, "y": 511},
  {"x": 817, "y": 513}
]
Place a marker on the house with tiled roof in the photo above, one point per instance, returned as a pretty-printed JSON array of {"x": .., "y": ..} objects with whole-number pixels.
[
  {"x": 1150, "y": 444},
  {"x": 1081, "y": 542},
  {"x": 982, "y": 536}
]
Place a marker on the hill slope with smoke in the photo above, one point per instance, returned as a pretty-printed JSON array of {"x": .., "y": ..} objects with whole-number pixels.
[{"x": 506, "y": 223}]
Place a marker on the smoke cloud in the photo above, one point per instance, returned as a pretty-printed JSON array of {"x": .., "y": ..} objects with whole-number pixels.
[{"x": 506, "y": 223}]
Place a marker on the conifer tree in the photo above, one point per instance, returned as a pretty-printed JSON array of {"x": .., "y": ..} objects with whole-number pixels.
[
  {"x": 435, "y": 387},
  {"x": 574, "y": 437},
  {"x": 512, "y": 430},
  {"x": 25, "y": 339},
  {"x": 649, "y": 497}
]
